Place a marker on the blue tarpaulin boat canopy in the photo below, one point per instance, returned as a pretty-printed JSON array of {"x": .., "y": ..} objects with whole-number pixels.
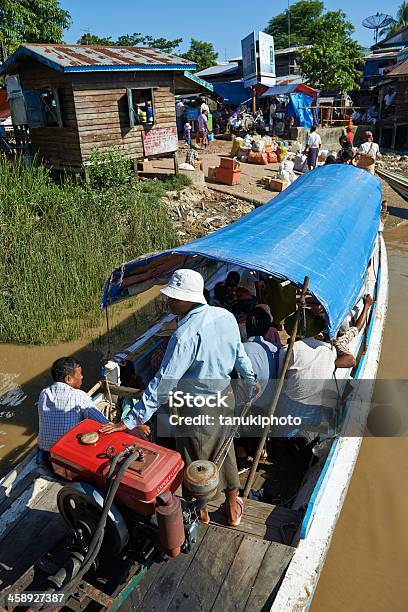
[{"x": 323, "y": 226}]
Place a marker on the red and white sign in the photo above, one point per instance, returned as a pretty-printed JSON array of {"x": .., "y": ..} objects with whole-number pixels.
[{"x": 160, "y": 140}]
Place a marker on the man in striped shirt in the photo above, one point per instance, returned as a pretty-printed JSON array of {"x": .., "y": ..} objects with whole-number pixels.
[{"x": 63, "y": 405}]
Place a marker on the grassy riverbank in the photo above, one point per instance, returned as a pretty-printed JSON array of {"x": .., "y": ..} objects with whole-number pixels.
[{"x": 59, "y": 243}]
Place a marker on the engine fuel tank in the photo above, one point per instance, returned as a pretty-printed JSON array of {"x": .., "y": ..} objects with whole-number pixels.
[{"x": 159, "y": 469}]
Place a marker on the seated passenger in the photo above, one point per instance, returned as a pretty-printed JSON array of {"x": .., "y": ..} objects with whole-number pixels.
[
  {"x": 310, "y": 388},
  {"x": 263, "y": 356},
  {"x": 63, "y": 405},
  {"x": 219, "y": 292},
  {"x": 233, "y": 279},
  {"x": 346, "y": 333},
  {"x": 272, "y": 334}
]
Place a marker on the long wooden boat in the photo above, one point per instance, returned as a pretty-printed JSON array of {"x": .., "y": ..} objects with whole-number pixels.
[
  {"x": 327, "y": 226},
  {"x": 397, "y": 181}
]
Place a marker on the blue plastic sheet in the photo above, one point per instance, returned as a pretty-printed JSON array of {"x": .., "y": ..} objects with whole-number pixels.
[
  {"x": 233, "y": 93},
  {"x": 299, "y": 108},
  {"x": 323, "y": 226}
]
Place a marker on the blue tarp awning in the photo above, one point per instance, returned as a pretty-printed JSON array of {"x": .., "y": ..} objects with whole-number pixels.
[
  {"x": 233, "y": 93},
  {"x": 323, "y": 226},
  {"x": 299, "y": 108}
]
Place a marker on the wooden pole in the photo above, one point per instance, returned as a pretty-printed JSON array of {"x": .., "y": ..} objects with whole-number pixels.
[
  {"x": 278, "y": 389},
  {"x": 254, "y": 100}
]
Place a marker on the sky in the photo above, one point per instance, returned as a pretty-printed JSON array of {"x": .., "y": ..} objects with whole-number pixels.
[{"x": 221, "y": 22}]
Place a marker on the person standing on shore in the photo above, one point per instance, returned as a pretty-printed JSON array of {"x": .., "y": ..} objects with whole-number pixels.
[
  {"x": 313, "y": 144},
  {"x": 203, "y": 128},
  {"x": 368, "y": 153}
]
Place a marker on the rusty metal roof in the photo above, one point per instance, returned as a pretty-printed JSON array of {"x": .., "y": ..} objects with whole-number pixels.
[
  {"x": 399, "y": 70},
  {"x": 94, "y": 58}
]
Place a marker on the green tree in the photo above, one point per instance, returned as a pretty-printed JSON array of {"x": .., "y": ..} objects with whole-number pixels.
[
  {"x": 332, "y": 62},
  {"x": 201, "y": 53},
  {"x": 94, "y": 39},
  {"x": 139, "y": 40},
  {"x": 303, "y": 16},
  {"x": 31, "y": 21},
  {"x": 400, "y": 22},
  {"x": 132, "y": 40}
]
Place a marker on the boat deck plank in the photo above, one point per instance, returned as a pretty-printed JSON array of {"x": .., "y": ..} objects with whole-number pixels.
[
  {"x": 272, "y": 523},
  {"x": 227, "y": 570},
  {"x": 32, "y": 534},
  {"x": 207, "y": 572}
]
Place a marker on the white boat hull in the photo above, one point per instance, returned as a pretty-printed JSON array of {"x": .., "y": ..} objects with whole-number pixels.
[{"x": 302, "y": 575}]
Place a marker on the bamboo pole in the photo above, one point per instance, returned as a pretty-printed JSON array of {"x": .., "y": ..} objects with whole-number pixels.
[{"x": 278, "y": 389}]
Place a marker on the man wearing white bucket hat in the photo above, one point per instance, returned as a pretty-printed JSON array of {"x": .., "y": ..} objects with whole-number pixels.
[{"x": 200, "y": 357}]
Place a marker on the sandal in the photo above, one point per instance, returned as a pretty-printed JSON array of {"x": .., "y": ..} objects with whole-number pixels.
[{"x": 241, "y": 507}]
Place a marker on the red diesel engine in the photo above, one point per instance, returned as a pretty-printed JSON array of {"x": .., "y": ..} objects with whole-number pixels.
[
  {"x": 157, "y": 469},
  {"x": 144, "y": 501}
]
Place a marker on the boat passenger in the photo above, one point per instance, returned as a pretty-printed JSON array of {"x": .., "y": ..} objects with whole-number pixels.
[
  {"x": 262, "y": 353},
  {"x": 63, "y": 405},
  {"x": 264, "y": 359},
  {"x": 199, "y": 359},
  {"x": 218, "y": 298},
  {"x": 310, "y": 389},
  {"x": 346, "y": 333},
  {"x": 272, "y": 334}
]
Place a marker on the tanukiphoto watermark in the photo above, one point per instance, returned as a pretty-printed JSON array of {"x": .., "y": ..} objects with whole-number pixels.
[
  {"x": 320, "y": 407},
  {"x": 202, "y": 420}
]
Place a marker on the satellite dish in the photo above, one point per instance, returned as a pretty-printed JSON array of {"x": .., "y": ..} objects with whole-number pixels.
[{"x": 378, "y": 22}]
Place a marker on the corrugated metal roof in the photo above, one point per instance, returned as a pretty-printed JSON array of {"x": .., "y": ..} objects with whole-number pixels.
[
  {"x": 219, "y": 69},
  {"x": 92, "y": 58},
  {"x": 399, "y": 69}
]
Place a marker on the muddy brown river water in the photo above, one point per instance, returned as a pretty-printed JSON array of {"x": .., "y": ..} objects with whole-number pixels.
[{"x": 366, "y": 565}]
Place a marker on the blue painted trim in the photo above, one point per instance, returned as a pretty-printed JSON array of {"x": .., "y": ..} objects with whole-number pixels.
[
  {"x": 130, "y": 68},
  {"x": 328, "y": 466},
  {"x": 311, "y": 509}
]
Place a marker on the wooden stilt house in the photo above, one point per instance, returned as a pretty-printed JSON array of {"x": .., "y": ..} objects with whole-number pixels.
[{"x": 75, "y": 98}]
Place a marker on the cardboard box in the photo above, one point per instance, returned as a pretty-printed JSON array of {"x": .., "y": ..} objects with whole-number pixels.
[
  {"x": 229, "y": 163},
  {"x": 212, "y": 172},
  {"x": 277, "y": 185},
  {"x": 228, "y": 177}
]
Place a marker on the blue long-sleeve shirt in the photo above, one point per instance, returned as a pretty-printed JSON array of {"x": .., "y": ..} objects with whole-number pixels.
[{"x": 200, "y": 356}]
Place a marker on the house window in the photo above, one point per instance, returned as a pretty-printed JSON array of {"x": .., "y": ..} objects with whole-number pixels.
[
  {"x": 50, "y": 107},
  {"x": 141, "y": 108},
  {"x": 42, "y": 108}
]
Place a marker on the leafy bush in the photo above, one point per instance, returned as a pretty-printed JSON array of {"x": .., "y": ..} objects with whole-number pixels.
[
  {"x": 59, "y": 244},
  {"x": 109, "y": 168}
]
